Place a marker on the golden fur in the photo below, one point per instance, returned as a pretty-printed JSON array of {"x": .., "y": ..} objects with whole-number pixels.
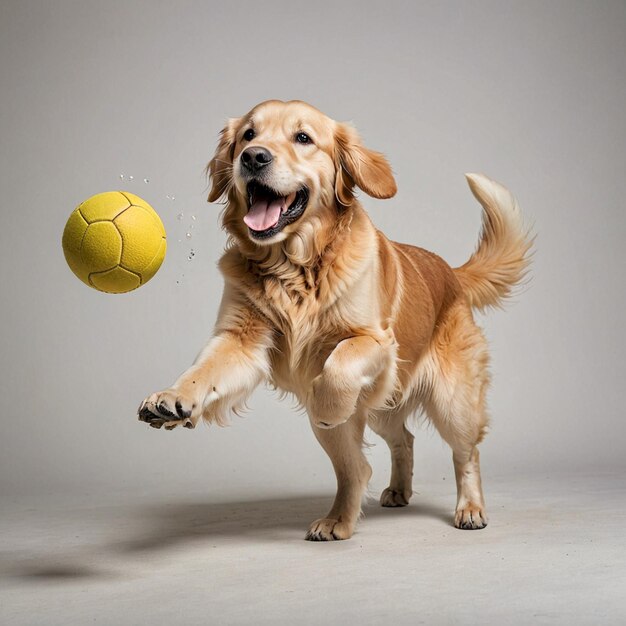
[{"x": 360, "y": 329}]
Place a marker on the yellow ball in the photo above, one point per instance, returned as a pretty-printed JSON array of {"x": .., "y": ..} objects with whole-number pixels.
[{"x": 114, "y": 242}]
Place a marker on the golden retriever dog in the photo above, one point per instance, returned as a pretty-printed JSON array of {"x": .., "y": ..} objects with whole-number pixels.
[{"x": 320, "y": 304}]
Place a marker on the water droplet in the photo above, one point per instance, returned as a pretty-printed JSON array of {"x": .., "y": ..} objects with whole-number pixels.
[
  {"x": 188, "y": 235},
  {"x": 131, "y": 178},
  {"x": 121, "y": 176},
  {"x": 173, "y": 197},
  {"x": 193, "y": 217},
  {"x": 179, "y": 240},
  {"x": 179, "y": 216},
  {"x": 146, "y": 180},
  {"x": 190, "y": 226}
]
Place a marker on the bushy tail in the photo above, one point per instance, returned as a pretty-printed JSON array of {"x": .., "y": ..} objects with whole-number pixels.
[{"x": 503, "y": 254}]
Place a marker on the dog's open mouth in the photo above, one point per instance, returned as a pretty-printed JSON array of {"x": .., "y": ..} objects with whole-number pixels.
[{"x": 269, "y": 212}]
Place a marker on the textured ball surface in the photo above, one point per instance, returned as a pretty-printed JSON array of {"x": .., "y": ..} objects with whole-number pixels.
[{"x": 114, "y": 242}]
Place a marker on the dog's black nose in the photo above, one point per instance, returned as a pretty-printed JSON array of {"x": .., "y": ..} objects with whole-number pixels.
[{"x": 255, "y": 158}]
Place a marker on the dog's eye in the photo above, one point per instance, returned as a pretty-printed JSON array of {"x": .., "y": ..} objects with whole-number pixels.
[
  {"x": 249, "y": 134},
  {"x": 303, "y": 138}
]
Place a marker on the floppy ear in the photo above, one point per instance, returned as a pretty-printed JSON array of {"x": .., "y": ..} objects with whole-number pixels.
[
  {"x": 220, "y": 167},
  {"x": 360, "y": 166}
]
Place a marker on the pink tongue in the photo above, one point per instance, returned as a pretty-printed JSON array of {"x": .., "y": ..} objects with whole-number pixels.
[{"x": 263, "y": 214}]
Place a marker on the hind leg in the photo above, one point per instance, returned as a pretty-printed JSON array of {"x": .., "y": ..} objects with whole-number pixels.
[
  {"x": 470, "y": 511},
  {"x": 390, "y": 426},
  {"x": 463, "y": 434},
  {"x": 456, "y": 407}
]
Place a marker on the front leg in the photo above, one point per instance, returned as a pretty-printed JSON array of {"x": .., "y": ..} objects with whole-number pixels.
[
  {"x": 354, "y": 364},
  {"x": 344, "y": 446},
  {"x": 225, "y": 373}
]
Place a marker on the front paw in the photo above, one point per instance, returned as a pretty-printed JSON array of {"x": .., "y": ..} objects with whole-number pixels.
[
  {"x": 170, "y": 408},
  {"x": 470, "y": 517},
  {"x": 394, "y": 497},
  {"x": 332, "y": 401},
  {"x": 327, "y": 529}
]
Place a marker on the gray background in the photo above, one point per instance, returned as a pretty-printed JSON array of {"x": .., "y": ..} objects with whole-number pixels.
[{"x": 531, "y": 93}]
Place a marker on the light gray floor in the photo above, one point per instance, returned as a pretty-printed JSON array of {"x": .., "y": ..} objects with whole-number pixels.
[{"x": 554, "y": 552}]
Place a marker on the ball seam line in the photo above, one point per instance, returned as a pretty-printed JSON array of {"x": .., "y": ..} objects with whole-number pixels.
[
  {"x": 163, "y": 238},
  {"x": 130, "y": 204},
  {"x": 155, "y": 256},
  {"x": 110, "y": 270},
  {"x": 151, "y": 213},
  {"x": 121, "y": 246}
]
